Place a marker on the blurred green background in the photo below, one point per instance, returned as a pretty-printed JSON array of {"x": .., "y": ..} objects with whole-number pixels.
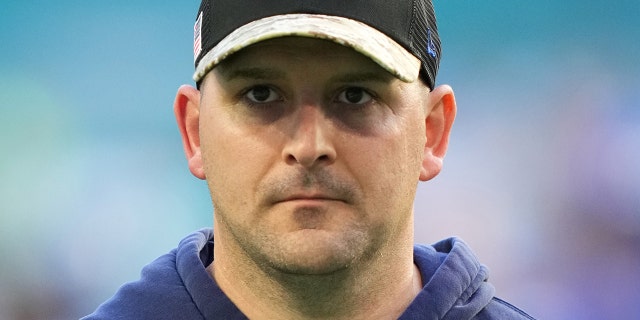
[{"x": 542, "y": 178}]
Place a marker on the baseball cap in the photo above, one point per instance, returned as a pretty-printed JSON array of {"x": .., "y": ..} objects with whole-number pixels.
[{"x": 399, "y": 35}]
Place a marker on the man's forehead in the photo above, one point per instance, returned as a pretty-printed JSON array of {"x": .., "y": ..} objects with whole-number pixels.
[{"x": 273, "y": 58}]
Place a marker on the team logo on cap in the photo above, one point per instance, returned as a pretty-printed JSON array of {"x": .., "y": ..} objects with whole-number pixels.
[
  {"x": 431, "y": 47},
  {"x": 197, "y": 37}
]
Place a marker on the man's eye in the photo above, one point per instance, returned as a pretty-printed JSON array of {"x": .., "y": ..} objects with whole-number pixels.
[
  {"x": 262, "y": 94},
  {"x": 354, "y": 96}
]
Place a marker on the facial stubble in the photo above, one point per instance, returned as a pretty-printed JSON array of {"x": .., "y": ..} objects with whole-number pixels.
[{"x": 311, "y": 249}]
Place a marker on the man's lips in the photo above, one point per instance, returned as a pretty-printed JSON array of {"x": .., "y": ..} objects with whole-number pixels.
[
  {"x": 309, "y": 197},
  {"x": 313, "y": 187}
]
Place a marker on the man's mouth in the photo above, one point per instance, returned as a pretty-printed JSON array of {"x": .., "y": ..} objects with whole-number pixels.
[{"x": 309, "y": 197}]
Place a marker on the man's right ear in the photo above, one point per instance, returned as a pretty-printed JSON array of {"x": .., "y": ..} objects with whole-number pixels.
[{"x": 186, "y": 108}]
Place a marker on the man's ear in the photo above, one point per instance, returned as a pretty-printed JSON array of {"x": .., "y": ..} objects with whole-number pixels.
[
  {"x": 439, "y": 120},
  {"x": 187, "y": 111}
]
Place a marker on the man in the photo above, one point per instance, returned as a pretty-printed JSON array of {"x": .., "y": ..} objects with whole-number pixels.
[{"x": 312, "y": 123}]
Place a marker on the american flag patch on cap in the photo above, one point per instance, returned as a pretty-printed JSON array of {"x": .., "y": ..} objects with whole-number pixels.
[{"x": 197, "y": 43}]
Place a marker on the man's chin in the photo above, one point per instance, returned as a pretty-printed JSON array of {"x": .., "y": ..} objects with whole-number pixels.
[{"x": 316, "y": 252}]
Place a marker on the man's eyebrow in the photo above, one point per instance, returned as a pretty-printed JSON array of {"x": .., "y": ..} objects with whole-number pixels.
[
  {"x": 268, "y": 73},
  {"x": 252, "y": 73},
  {"x": 366, "y": 76}
]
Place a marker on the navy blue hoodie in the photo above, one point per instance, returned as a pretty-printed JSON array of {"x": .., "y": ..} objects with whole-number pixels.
[{"x": 177, "y": 286}]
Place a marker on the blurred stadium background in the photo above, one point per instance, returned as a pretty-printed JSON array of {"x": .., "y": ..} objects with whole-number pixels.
[{"x": 542, "y": 178}]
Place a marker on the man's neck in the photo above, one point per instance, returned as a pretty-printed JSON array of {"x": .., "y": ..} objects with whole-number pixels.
[{"x": 378, "y": 289}]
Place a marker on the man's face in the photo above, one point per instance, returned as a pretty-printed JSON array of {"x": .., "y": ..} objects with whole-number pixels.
[{"x": 312, "y": 154}]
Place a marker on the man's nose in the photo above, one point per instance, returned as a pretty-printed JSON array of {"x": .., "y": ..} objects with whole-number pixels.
[{"x": 310, "y": 143}]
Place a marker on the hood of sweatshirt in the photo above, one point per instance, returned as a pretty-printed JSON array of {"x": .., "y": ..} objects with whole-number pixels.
[
  {"x": 177, "y": 286},
  {"x": 455, "y": 283}
]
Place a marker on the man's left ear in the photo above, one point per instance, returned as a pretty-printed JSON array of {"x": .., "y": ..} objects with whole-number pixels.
[
  {"x": 438, "y": 122},
  {"x": 187, "y": 111}
]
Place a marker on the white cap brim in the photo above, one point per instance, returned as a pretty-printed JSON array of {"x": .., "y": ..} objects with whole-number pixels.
[{"x": 351, "y": 33}]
